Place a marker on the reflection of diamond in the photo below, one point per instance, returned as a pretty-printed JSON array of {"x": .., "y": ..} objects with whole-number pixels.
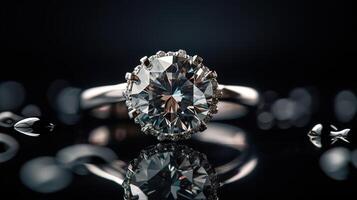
[
  {"x": 172, "y": 94},
  {"x": 170, "y": 172}
]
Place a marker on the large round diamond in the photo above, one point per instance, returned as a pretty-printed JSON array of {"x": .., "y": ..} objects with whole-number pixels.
[
  {"x": 173, "y": 94},
  {"x": 172, "y": 173}
]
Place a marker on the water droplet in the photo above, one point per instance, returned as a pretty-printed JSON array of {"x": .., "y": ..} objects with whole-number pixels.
[
  {"x": 33, "y": 126},
  {"x": 45, "y": 175}
]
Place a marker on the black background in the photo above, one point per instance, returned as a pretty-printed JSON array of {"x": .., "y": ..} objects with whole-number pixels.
[{"x": 267, "y": 45}]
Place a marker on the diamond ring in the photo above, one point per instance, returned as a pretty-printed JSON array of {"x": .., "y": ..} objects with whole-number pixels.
[{"x": 171, "y": 95}]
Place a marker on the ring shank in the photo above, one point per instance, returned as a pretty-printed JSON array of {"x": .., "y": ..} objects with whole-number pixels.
[
  {"x": 98, "y": 96},
  {"x": 232, "y": 96}
]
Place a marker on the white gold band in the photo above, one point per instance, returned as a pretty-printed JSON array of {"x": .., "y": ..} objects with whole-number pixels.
[{"x": 99, "y": 96}]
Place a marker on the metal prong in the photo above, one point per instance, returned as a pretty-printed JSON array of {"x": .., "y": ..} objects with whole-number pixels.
[
  {"x": 170, "y": 53},
  {"x": 212, "y": 74},
  {"x": 214, "y": 110},
  {"x": 187, "y": 136},
  {"x": 203, "y": 126},
  {"x": 160, "y": 53},
  {"x": 197, "y": 60},
  {"x": 145, "y": 129},
  {"x": 182, "y": 53},
  {"x": 161, "y": 137},
  {"x": 131, "y": 76},
  {"x": 219, "y": 93},
  {"x": 128, "y": 76},
  {"x": 133, "y": 113},
  {"x": 145, "y": 61}
]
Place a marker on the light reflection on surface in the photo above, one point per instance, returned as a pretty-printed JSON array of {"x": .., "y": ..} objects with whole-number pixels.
[
  {"x": 223, "y": 135},
  {"x": 354, "y": 158},
  {"x": 265, "y": 120},
  {"x": 334, "y": 162},
  {"x": 75, "y": 156},
  {"x": 244, "y": 170},
  {"x": 229, "y": 110},
  {"x": 8, "y": 119},
  {"x": 99, "y": 136},
  {"x": 12, "y": 95},
  {"x": 10, "y": 147},
  {"x": 234, "y": 137},
  {"x": 292, "y": 111},
  {"x": 45, "y": 175},
  {"x": 345, "y": 105},
  {"x": 64, "y": 99},
  {"x": 31, "y": 110}
]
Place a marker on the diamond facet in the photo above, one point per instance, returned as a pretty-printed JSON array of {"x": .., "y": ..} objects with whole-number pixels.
[
  {"x": 173, "y": 94},
  {"x": 170, "y": 172}
]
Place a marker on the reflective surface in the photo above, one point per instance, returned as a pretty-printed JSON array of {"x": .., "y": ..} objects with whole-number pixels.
[
  {"x": 169, "y": 171},
  {"x": 298, "y": 54}
]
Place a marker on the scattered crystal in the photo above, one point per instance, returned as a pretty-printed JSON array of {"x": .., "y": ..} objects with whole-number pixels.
[
  {"x": 33, "y": 126},
  {"x": 339, "y": 135},
  {"x": 315, "y": 135}
]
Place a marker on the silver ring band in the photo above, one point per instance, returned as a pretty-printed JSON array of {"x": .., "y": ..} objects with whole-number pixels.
[{"x": 110, "y": 94}]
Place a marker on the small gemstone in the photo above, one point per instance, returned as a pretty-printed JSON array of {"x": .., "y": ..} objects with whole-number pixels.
[
  {"x": 173, "y": 94},
  {"x": 173, "y": 172}
]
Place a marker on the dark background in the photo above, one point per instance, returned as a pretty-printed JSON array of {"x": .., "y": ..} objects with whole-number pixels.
[{"x": 268, "y": 45}]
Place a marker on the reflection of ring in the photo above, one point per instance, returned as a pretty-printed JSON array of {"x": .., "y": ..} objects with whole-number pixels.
[
  {"x": 185, "y": 171},
  {"x": 169, "y": 169},
  {"x": 171, "y": 95},
  {"x": 10, "y": 147}
]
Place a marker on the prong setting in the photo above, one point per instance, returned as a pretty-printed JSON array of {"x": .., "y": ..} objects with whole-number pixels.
[
  {"x": 144, "y": 61},
  {"x": 133, "y": 113},
  {"x": 197, "y": 59},
  {"x": 133, "y": 80}
]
